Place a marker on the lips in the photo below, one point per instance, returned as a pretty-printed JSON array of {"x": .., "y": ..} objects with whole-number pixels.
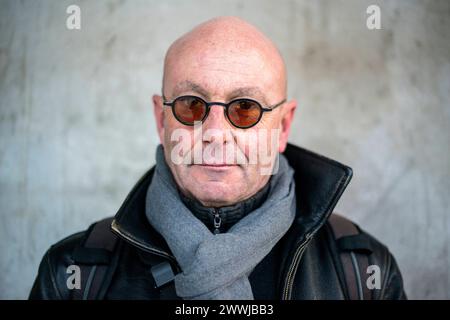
[
  {"x": 218, "y": 165},
  {"x": 211, "y": 162}
]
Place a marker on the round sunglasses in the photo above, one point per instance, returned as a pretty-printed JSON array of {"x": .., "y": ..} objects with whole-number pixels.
[{"x": 242, "y": 113}]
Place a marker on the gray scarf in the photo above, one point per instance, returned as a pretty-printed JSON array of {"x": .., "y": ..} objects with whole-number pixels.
[{"x": 217, "y": 266}]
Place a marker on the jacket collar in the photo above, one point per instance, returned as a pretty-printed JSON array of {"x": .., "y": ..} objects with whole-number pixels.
[
  {"x": 229, "y": 215},
  {"x": 320, "y": 183}
]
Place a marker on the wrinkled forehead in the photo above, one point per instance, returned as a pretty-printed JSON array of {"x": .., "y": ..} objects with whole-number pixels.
[{"x": 224, "y": 70}]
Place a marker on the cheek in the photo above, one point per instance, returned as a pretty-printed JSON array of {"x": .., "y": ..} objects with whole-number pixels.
[
  {"x": 176, "y": 133},
  {"x": 259, "y": 144}
]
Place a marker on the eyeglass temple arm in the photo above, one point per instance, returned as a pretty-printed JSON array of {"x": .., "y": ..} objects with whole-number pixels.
[
  {"x": 165, "y": 102},
  {"x": 274, "y": 106}
]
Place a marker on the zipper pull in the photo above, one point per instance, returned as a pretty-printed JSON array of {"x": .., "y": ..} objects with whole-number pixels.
[{"x": 217, "y": 221}]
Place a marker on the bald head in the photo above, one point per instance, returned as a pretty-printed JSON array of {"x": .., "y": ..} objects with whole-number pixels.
[{"x": 225, "y": 49}]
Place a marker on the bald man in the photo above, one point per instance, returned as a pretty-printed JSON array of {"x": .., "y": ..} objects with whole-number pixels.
[{"x": 230, "y": 210}]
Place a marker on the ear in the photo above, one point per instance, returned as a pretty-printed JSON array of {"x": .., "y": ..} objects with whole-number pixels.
[
  {"x": 287, "y": 116},
  {"x": 158, "y": 110}
]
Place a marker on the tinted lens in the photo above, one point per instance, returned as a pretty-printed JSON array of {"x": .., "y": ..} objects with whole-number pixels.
[
  {"x": 189, "y": 109},
  {"x": 244, "y": 113}
]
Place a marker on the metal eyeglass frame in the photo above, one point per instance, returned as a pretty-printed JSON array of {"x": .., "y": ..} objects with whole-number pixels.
[{"x": 225, "y": 105}]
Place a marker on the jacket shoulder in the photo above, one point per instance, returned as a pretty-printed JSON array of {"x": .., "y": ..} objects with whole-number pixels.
[
  {"x": 51, "y": 279},
  {"x": 391, "y": 278},
  {"x": 379, "y": 256}
]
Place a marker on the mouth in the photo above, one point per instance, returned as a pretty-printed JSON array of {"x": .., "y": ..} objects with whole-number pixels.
[{"x": 216, "y": 166}]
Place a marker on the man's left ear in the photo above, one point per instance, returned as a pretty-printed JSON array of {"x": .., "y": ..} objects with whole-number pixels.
[
  {"x": 287, "y": 116},
  {"x": 159, "y": 116}
]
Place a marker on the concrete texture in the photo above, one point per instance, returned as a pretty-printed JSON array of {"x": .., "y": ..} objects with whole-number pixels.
[{"x": 77, "y": 130}]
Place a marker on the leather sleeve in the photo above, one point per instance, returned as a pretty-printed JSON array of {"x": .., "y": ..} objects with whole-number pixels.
[
  {"x": 393, "y": 287},
  {"x": 392, "y": 281},
  {"x": 45, "y": 287},
  {"x": 50, "y": 283}
]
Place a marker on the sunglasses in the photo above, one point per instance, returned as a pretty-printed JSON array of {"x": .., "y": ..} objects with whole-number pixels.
[{"x": 242, "y": 113}]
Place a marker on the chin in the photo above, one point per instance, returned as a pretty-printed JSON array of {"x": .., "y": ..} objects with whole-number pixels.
[
  {"x": 215, "y": 193},
  {"x": 213, "y": 186}
]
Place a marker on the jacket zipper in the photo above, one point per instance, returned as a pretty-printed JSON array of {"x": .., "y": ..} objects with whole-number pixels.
[
  {"x": 217, "y": 221},
  {"x": 293, "y": 268}
]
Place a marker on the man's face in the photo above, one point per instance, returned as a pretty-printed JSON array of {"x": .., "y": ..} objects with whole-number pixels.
[{"x": 221, "y": 72}]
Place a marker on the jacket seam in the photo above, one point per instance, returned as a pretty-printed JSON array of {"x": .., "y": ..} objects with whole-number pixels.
[
  {"x": 112, "y": 268},
  {"x": 331, "y": 202},
  {"x": 335, "y": 257},
  {"x": 386, "y": 272},
  {"x": 52, "y": 275}
]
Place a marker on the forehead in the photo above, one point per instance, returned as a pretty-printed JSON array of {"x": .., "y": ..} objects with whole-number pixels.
[{"x": 220, "y": 73}]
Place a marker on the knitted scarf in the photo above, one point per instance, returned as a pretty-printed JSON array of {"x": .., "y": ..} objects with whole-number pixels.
[{"x": 217, "y": 266}]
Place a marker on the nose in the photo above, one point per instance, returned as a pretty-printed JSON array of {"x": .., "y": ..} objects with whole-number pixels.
[
  {"x": 216, "y": 118},
  {"x": 216, "y": 125}
]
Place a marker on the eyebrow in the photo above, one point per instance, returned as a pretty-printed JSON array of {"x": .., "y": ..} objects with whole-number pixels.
[{"x": 188, "y": 85}]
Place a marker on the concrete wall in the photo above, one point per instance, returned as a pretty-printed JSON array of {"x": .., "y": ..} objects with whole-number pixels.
[{"x": 77, "y": 130}]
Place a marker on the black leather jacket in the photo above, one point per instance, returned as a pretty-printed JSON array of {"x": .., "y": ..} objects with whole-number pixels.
[{"x": 303, "y": 264}]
